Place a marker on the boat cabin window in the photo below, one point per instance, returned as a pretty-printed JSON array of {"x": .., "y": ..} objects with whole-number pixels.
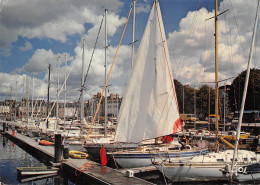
[
  {"x": 220, "y": 160},
  {"x": 232, "y": 159},
  {"x": 253, "y": 159},
  {"x": 175, "y": 148},
  {"x": 245, "y": 159},
  {"x": 152, "y": 149}
]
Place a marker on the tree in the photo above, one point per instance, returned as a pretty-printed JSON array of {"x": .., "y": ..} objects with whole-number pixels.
[
  {"x": 253, "y": 91},
  {"x": 188, "y": 97},
  {"x": 203, "y": 101},
  {"x": 178, "y": 90}
]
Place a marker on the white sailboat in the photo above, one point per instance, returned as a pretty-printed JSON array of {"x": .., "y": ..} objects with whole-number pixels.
[
  {"x": 215, "y": 166},
  {"x": 248, "y": 172},
  {"x": 149, "y": 108}
]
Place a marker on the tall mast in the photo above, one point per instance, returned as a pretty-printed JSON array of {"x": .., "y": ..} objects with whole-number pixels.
[
  {"x": 183, "y": 99},
  {"x": 23, "y": 116},
  {"x": 10, "y": 104},
  {"x": 133, "y": 35},
  {"x": 48, "y": 96},
  {"x": 32, "y": 95},
  {"x": 105, "y": 72},
  {"x": 82, "y": 84},
  {"x": 15, "y": 101},
  {"x": 245, "y": 89},
  {"x": 27, "y": 116},
  {"x": 65, "y": 88},
  {"x": 216, "y": 72},
  {"x": 58, "y": 88},
  {"x": 195, "y": 101},
  {"x": 209, "y": 108},
  {"x": 224, "y": 108}
]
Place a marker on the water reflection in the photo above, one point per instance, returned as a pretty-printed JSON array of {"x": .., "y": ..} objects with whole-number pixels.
[
  {"x": 4, "y": 142},
  {"x": 12, "y": 157}
]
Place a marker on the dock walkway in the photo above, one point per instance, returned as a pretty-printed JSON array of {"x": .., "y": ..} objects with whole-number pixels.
[{"x": 84, "y": 169}]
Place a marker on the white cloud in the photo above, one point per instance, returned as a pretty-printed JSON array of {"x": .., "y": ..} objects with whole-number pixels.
[
  {"x": 143, "y": 8},
  {"x": 28, "y": 46},
  {"x": 51, "y": 19},
  {"x": 192, "y": 46}
]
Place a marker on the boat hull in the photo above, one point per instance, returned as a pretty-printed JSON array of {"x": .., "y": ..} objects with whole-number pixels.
[
  {"x": 135, "y": 160},
  {"x": 185, "y": 173},
  {"x": 214, "y": 166},
  {"x": 94, "y": 149},
  {"x": 32, "y": 171},
  {"x": 247, "y": 173}
]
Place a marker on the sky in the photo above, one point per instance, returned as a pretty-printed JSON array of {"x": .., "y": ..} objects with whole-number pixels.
[{"x": 34, "y": 34}]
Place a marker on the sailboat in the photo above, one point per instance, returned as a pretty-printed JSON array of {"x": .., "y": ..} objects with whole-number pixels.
[
  {"x": 149, "y": 109},
  {"x": 94, "y": 146},
  {"x": 215, "y": 166},
  {"x": 248, "y": 172}
]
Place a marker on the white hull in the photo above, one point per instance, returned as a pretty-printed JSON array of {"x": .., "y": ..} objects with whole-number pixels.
[
  {"x": 137, "y": 159},
  {"x": 193, "y": 173},
  {"x": 248, "y": 177},
  {"x": 210, "y": 167},
  {"x": 243, "y": 173},
  {"x": 38, "y": 172},
  {"x": 141, "y": 162}
]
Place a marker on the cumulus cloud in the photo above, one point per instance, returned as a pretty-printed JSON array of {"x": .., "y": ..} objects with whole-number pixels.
[
  {"x": 143, "y": 8},
  {"x": 192, "y": 46},
  {"x": 40, "y": 60},
  {"x": 50, "y": 19},
  {"x": 19, "y": 83},
  {"x": 28, "y": 46}
]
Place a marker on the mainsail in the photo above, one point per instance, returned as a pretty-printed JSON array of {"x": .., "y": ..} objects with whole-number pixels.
[{"x": 149, "y": 107}]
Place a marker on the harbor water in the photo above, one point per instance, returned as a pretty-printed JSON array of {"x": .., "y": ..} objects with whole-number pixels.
[{"x": 12, "y": 156}]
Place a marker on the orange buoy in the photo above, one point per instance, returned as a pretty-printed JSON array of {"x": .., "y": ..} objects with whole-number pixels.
[{"x": 45, "y": 143}]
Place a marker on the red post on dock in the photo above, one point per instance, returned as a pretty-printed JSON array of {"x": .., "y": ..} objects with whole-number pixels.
[
  {"x": 103, "y": 156},
  {"x": 13, "y": 133}
]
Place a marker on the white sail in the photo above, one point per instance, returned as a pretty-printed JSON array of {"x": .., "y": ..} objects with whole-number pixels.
[{"x": 149, "y": 107}]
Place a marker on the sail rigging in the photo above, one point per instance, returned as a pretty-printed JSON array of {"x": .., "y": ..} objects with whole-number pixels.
[{"x": 149, "y": 107}]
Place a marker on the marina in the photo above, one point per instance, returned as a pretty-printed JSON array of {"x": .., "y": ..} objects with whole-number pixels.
[
  {"x": 154, "y": 129},
  {"x": 86, "y": 170}
]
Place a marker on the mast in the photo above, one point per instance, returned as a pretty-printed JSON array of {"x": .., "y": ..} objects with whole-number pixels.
[
  {"x": 23, "y": 100},
  {"x": 58, "y": 87},
  {"x": 133, "y": 35},
  {"x": 194, "y": 101},
  {"x": 105, "y": 72},
  {"x": 27, "y": 116},
  {"x": 48, "y": 96},
  {"x": 82, "y": 84},
  {"x": 245, "y": 90},
  {"x": 32, "y": 95},
  {"x": 15, "y": 101},
  {"x": 183, "y": 99},
  {"x": 65, "y": 88},
  {"x": 224, "y": 109},
  {"x": 10, "y": 104},
  {"x": 216, "y": 72}
]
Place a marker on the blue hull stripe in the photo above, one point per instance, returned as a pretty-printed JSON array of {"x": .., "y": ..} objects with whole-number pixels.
[{"x": 165, "y": 154}]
